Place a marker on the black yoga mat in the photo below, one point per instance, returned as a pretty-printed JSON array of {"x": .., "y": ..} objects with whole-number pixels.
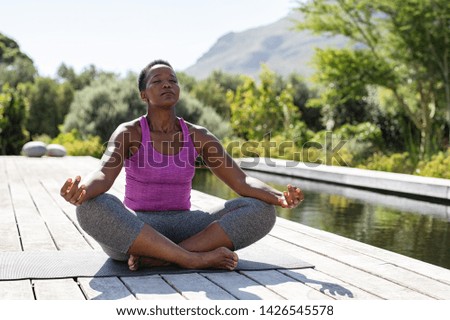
[{"x": 68, "y": 264}]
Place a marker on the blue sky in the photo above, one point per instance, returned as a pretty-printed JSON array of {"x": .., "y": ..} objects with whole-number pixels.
[{"x": 125, "y": 35}]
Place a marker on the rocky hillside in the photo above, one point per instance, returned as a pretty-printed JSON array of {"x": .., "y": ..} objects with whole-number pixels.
[{"x": 283, "y": 49}]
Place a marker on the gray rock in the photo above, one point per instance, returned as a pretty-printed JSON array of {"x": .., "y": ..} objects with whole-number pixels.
[
  {"x": 56, "y": 150},
  {"x": 34, "y": 149}
]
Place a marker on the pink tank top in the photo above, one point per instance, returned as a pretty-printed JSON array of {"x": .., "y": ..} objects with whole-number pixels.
[{"x": 158, "y": 182}]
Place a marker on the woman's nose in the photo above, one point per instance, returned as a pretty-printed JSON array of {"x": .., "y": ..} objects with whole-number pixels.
[{"x": 166, "y": 84}]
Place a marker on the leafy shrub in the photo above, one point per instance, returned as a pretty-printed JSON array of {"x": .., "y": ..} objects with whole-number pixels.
[
  {"x": 397, "y": 162},
  {"x": 76, "y": 146},
  {"x": 438, "y": 166},
  {"x": 45, "y": 138},
  {"x": 348, "y": 145},
  {"x": 279, "y": 146}
]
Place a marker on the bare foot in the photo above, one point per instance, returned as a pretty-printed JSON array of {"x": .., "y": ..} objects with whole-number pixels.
[
  {"x": 220, "y": 258},
  {"x": 136, "y": 262}
]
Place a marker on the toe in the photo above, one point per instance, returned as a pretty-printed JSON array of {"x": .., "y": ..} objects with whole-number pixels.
[{"x": 133, "y": 262}]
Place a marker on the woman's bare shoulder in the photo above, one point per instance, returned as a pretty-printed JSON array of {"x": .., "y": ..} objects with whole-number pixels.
[
  {"x": 132, "y": 129},
  {"x": 199, "y": 132}
]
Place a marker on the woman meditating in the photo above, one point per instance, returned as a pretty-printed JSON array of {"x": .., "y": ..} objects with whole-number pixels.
[{"x": 154, "y": 224}]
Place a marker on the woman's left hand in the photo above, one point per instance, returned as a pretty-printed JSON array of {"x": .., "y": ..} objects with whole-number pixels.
[{"x": 291, "y": 198}]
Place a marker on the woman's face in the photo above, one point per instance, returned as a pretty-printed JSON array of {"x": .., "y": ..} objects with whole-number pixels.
[{"x": 162, "y": 87}]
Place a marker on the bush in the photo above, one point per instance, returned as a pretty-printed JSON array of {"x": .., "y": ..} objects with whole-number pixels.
[
  {"x": 279, "y": 146},
  {"x": 348, "y": 145},
  {"x": 76, "y": 146},
  {"x": 397, "y": 162},
  {"x": 45, "y": 138},
  {"x": 437, "y": 167}
]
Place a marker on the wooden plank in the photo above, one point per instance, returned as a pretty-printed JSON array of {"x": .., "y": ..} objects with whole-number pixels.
[
  {"x": 7, "y": 212},
  {"x": 242, "y": 287},
  {"x": 429, "y": 270},
  {"x": 60, "y": 168},
  {"x": 368, "y": 282},
  {"x": 35, "y": 236},
  {"x": 108, "y": 288},
  {"x": 285, "y": 286},
  {"x": 10, "y": 240},
  {"x": 64, "y": 232},
  {"x": 68, "y": 209},
  {"x": 193, "y": 286},
  {"x": 415, "y": 281},
  {"x": 16, "y": 290},
  {"x": 328, "y": 285},
  {"x": 53, "y": 190},
  {"x": 401, "y": 276},
  {"x": 57, "y": 289},
  {"x": 33, "y": 231},
  {"x": 8, "y": 226},
  {"x": 151, "y": 288}
]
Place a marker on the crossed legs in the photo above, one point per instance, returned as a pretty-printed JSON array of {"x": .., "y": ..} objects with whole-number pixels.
[{"x": 193, "y": 239}]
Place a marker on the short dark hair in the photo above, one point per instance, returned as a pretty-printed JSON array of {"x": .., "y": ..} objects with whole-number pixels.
[{"x": 143, "y": 75}]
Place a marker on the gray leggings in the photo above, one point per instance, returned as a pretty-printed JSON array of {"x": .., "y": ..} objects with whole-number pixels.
[{"x": 115, "y": 227}]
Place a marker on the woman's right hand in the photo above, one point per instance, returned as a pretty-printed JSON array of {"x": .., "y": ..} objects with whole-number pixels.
[{"x": 72, "y": 192}]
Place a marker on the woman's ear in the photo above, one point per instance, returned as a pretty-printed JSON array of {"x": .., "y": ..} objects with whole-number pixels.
[{"x": 143, "y": 96}]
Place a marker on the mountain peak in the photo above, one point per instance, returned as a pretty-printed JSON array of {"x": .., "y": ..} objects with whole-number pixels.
[{"x": 283, "y": 49}]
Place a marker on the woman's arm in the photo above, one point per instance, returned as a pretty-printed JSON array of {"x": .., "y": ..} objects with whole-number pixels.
[
  {"x": 225, "y": 168},
  {"x": 101, "y": 179}
]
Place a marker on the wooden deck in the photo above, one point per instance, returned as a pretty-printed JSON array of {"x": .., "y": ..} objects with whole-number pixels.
[{"x": 33, "y": 217}]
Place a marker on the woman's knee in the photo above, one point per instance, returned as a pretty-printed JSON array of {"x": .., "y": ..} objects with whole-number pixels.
[
  {"x": 255, "y": 220},
  {"x": 266, "y": 213},
  {"x": 90, "y": 213},
  {"x": 109, "y": 222}
]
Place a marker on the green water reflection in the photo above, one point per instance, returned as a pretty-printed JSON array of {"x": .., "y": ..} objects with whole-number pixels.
[{"x": 413, "y": 228}]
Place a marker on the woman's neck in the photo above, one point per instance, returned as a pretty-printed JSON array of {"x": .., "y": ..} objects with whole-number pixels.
[{"x": 162, "y": 121}]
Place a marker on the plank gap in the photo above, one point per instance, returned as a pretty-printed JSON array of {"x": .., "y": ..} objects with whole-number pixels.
[
  {"x": 77, "y": 227},
  {"x": 15, "y": 218},
  {"x": 84, "y": 293}
]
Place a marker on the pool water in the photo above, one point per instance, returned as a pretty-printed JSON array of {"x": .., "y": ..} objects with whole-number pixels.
[{"x": 414, "y": 228}]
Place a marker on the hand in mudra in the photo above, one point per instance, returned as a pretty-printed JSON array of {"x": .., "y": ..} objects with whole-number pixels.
[
  {"x": 72, "y": 192},
  {"x": 291, "y": 198}
]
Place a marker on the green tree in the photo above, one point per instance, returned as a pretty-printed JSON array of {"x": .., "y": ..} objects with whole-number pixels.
[
  {"x": 399, "y": 45},
  {"x": 99, "y": 108},
  {"x": 49, "y": 103},
  {"x": 212, "y": 91},
  {"x": 261, "y": 109},
  {"x": 81, "y": 80},
  {"x": 15, "y": 66},
  {"x": 194, "y": 111},
  {"x": 302, "y": 94},
  {"x": 186, "y": 82},
  {"x": 10, "y": 50},
  {"x": 13, "y": 107}
]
